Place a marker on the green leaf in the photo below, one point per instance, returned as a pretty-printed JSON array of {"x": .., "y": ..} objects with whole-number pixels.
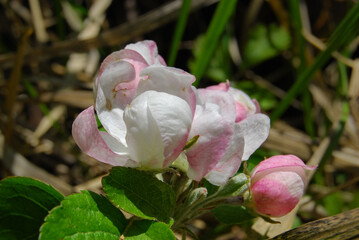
[
  {"x": 334, "y": 203},
  {"x": 149, "y": 230},
  {"x": 24, "y": 203},
  {"x": 264, "y": 43},
  {"x": 232, "y": 214},
  {"x": 92, "y": 236},
  {"x": 85, "y": 215},
  {"x": 139, "y": 193}
]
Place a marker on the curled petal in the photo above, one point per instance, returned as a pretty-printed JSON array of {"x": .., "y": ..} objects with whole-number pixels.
[
  {"x": 244, "y": 99},
  {"x": 118, "y": 84},
  {"x": 111, "y": 99},
  {"x": 148, "y": 50},
  {"x": 285, "y": 163},
  {"x": 88, "y": 138},
  {"x": 170, "y": 80},
  {"x": 157, "y": 128},
  {"x": 230, "y": 162},
  {"x": 130, "y": 56},
  {"x": 224, "y": 86},
  {"x": 255, "y": 130}
]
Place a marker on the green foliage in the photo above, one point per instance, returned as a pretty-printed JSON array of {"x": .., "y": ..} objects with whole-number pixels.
[
  {"x": 92, "y": 236},
  {"x": 232, "y": 214},
  {"x": 219, "y": 66},
  {"x": 264, "y": 43},
  {"x": 218, "y": 23},
  {"x": 149, "y": 230},
  {"x": 85, "y": 215},
  {"x": 210, "y": 187},
  {"x": 140, "y": 194},
  {"x": 180, "y": 27},
  {"x": 266, "y": 99},
  {"x": 355, "y": 201},
  {"x": 342, "y": 35},
  {"x": 24, "y": 203},
  {"x": 333, "y": 203}
]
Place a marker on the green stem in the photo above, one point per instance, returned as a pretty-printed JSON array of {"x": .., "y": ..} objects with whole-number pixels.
[
  {"x": 185, "y": 213},
  {"x": 218, "y": 23},
  {"x": 180, "y": 27}
]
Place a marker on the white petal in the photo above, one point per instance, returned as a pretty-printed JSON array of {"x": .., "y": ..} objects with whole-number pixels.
[
  {"x": 170, "y": 80},
  {"x": 174, "y": 118},
  {"x": 148, "y": 50},
  {"x": 116, "y": 146},
  {"x": 157, "y": 124},
  {"x": 255, "y": 130},
  {"x": 109, "y": 105}
]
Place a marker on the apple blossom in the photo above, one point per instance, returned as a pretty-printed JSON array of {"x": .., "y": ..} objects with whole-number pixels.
[
  {"x": 145, "y": 107},
  {"x": 277, "y": 184},
  {"x": 230, "y": 128}
]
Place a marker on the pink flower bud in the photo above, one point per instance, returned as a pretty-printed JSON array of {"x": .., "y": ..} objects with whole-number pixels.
[{"x": 277, "y": 184}]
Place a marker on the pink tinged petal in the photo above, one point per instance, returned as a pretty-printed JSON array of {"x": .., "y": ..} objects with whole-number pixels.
[
  {"x": 157, "y": 128},
  {"x": 277, "y": 193},
  {"x": 258, "y": 107},
  {"x": 230, "y": 162},
  {"x": 88, "y": 138},
  {"x": 221, "y": 87},
  {"x": 170, "y": 80},
  {"x": 244, "y": 99},
  {"x": 114, "y": 69},
  {"x": 116, "y": 88},
  {"x": 241, "y": 112},
  {"x": 148, "y": 50},
  {"x": 280, "y": 163},
  {"x": 215, "y": 133},
  {"x": 255, "y": 130},
  {"x": 121, "y": 55},
  {"x": 118, "y": 84},
  {"x": 222, "y": 99}
]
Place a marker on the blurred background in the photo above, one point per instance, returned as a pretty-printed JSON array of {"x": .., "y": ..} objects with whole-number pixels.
[{"x": 297, "y": 58}]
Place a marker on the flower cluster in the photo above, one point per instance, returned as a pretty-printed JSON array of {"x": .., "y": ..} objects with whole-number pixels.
[
  {"x": 150, "y": 111},
  {"x": 151, "y": 116}
]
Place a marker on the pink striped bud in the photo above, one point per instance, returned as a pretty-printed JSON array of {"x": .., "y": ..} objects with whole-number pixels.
[{"x": 277, "y": 184}]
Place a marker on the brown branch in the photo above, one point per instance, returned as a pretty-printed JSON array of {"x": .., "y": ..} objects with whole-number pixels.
[
  {"x": 341, "y": 226},
  {"x": 13, "y": 84},
  {"x": 119, "y": 35}
]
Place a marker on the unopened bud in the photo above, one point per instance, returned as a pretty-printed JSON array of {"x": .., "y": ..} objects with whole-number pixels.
[{"x": 234, "y": 187}]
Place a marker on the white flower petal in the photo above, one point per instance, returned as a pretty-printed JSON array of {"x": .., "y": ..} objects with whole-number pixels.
[
  {"x": 148, "y": 50},
  {"x": 157, "y": 126},
  {"x": 255, "y": 130},
  {"x": 170, "y": 80}
]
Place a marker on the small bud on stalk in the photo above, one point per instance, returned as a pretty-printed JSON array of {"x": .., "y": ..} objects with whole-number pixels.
[{"x": 277, "y": 184}]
